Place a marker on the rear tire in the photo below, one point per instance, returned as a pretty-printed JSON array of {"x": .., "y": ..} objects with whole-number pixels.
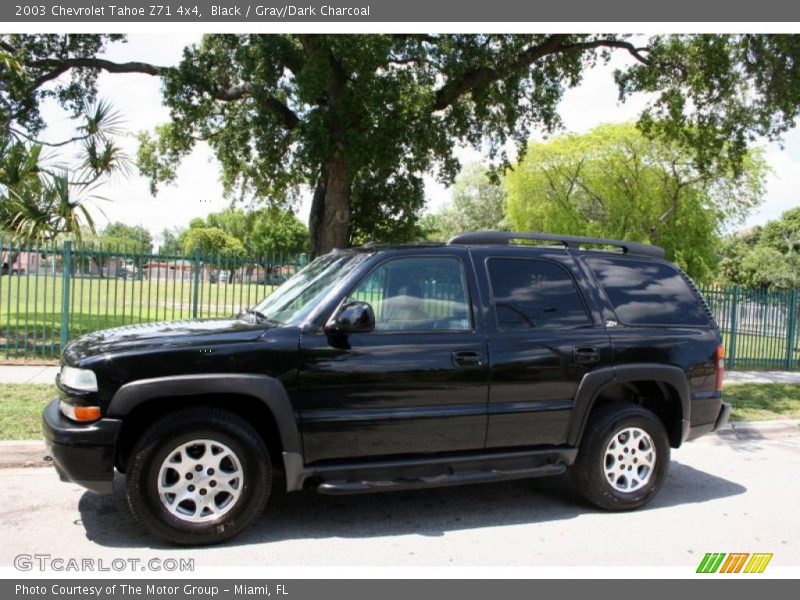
[
  {"x": 198, "y": 476},
  {"x": 623, "y": 457}
]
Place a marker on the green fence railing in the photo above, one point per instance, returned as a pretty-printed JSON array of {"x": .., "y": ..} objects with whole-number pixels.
[
  {"x": 759, "y": 327},
  {"x": 52, "y": 294}
]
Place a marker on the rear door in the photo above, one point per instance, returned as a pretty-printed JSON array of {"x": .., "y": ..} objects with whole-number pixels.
[
  {"x": 660, "y": 319},
  {"x": 544, "y": 336}
]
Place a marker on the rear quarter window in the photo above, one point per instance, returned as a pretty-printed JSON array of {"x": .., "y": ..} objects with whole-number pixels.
[{"x": 648, "y": 293}]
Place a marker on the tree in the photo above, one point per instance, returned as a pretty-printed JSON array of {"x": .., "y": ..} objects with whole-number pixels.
[
  {"x": 171, "y": 241},
  {"x": 130, "y": 236},
  {"x": 478, "y": 203},
  {"x": 344, "y": 114},
  {"x": 614, "y": 182},
  {"x": 44, "y": 194},
  {"x": 41, "y": 197},
  {"x": 783, "y": 234},
  {"x": 766, "y": 256},
  {"x": 113, "y": 239},
  {"x": 263, "y": 232},
  {"x": 211, "y": 241}
]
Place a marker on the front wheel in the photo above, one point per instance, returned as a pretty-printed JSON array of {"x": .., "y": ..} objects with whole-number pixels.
[
  {"x": 623, "y": 457},
  {"x": 198, "y": 476}
]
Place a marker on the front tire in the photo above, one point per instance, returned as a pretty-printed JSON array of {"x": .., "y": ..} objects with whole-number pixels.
[
  {"x": 198, "y": 476},
  {"x": 623, "y": 458}
]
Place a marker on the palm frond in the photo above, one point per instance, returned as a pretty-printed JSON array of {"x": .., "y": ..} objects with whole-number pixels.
[{"x": 102, "y": 120}]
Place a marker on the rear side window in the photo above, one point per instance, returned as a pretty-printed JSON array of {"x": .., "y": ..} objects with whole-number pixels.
[
  {"x": 529, "y": 293},
  {"x": 648, "y": 293}
]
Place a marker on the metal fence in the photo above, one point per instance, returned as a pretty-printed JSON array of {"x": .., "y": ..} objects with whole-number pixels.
[
  {"x": 759, "y": 327},
  {"x": 52, "y": 294}
]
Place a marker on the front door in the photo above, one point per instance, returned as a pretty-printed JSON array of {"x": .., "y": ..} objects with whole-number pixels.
[{"x": 417, "y": 384}]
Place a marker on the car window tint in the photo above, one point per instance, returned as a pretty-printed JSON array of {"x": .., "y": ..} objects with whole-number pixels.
[
  {"x": 529, "y": 293},
  {"x": 648, "y": 293},
  {"x": 417, "y": 294}
]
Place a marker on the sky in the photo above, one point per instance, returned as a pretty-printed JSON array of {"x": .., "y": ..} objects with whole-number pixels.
[{"x": 197, "y": 190}]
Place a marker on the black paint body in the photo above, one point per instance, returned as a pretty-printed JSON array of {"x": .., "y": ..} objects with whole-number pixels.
[{"x": 405, "y": 397}]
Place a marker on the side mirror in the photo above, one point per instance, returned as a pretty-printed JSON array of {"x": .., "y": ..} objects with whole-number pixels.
[{"x": 353, "y": 317}]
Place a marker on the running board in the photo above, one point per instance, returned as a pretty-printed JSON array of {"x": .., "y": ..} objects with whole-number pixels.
[
  {"x": 418, "y": 474},
  {"x": 358, "y": 487}
]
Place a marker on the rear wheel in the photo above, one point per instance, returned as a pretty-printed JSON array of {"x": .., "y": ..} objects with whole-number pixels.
[
  {"x": 623, "y": 458},
  {"x": 198, "y": 476}
]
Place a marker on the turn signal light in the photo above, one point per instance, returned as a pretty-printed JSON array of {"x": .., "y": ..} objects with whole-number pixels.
[{"x": 82, "y": 414}]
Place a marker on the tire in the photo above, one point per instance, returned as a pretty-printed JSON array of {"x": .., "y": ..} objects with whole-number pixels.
[
  {"x": 639, "y": 437},
  {"x": 214, "y": 449}
]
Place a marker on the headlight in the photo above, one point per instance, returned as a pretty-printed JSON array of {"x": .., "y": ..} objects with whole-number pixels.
[{"x": 82, "y": 380}]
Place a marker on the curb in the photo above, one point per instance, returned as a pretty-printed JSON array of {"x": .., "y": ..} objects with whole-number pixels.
[
  {"x": 760, "y": 430},
  {"x": 33, "y": 453},
  {"x": 23, "y": 454}
]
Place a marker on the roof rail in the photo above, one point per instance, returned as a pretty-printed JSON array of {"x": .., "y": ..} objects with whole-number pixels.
[{"x": 573, "y": 242}]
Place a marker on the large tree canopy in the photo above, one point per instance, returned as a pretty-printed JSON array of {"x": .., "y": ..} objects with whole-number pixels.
[
  {"x": 614, "y": 182},
  {"x": 765, "y": 256},
  {"x": 360, "y": 118}
]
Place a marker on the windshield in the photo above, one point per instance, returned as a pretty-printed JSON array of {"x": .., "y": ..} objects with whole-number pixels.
[{"x": 298, "y": 296}]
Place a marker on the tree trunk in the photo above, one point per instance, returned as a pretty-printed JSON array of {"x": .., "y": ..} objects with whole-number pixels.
[
  {"x": 99, "y": 264},
  {"x": 329, "y": 221}
]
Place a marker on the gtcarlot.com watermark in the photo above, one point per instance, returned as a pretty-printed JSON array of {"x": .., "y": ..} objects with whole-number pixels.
[{"x": 48, "y": 562}]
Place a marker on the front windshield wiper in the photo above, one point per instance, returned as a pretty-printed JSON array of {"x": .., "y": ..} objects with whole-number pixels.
[{"x": 260, "y": 316}]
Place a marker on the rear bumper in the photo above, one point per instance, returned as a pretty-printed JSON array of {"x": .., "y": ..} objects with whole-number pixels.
[
  {"x": 724, "y": 415},
  {"x": 720, "y": 422},
  {"x": 83, "y": 453}
]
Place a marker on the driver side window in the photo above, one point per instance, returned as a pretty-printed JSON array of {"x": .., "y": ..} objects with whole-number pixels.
[{"x": 417, "y": 294}]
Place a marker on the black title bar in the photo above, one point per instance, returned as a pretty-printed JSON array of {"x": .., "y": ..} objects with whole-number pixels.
[{"x": 365, "y": 11}]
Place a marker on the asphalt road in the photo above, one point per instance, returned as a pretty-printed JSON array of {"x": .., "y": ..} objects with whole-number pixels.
[{"x": 722, "y": 495}]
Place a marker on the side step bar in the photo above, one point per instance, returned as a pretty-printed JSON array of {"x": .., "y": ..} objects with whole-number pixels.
[
  {"x": 357, "y": 487},
  {"x": 405, "y": 473}
]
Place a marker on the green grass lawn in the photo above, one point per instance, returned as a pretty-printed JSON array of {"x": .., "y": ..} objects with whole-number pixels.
[
  {"x": 21, "y": 406},
  {"x": 30, "y": 307},
  {"x": 758, "y": 402}
]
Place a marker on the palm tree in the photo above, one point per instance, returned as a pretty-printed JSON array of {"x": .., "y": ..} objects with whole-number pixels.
[{"x": 42, "y": 199}]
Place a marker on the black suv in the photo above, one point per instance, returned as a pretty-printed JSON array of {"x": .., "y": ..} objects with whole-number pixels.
[{"x": 490, "y": 357}]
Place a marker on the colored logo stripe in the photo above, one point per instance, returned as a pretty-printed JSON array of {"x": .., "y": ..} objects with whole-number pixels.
[
  {"x": 734, "y": 562},
  {"x": 714, "y": 562},
  {"x": 711, "y": 562},
  {"x": 758, "y": 562}
]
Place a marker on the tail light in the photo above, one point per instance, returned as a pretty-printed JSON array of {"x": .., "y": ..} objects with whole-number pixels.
[{"x": 720, "y": 367}]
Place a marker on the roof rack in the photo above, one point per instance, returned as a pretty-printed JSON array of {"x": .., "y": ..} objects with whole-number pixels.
[{"x": 573, "y": 242}]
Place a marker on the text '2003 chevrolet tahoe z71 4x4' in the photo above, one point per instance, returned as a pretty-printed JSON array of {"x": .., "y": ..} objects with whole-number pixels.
[{"x": 486, "y": 358}]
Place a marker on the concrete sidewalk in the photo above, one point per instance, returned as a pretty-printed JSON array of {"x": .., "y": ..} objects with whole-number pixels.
[
  {"x": 46, "y": 374},
  {"x": 28, "y": 374},
  {"x": 734, "y": 377}
]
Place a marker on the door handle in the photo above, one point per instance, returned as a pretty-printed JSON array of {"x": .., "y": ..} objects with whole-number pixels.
[
  {"x": 467, "y": 358},
  {"x": 586, "y": 355}
]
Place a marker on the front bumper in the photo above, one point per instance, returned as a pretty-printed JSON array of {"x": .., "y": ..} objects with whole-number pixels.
[{"x": 82, "y": 452}]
